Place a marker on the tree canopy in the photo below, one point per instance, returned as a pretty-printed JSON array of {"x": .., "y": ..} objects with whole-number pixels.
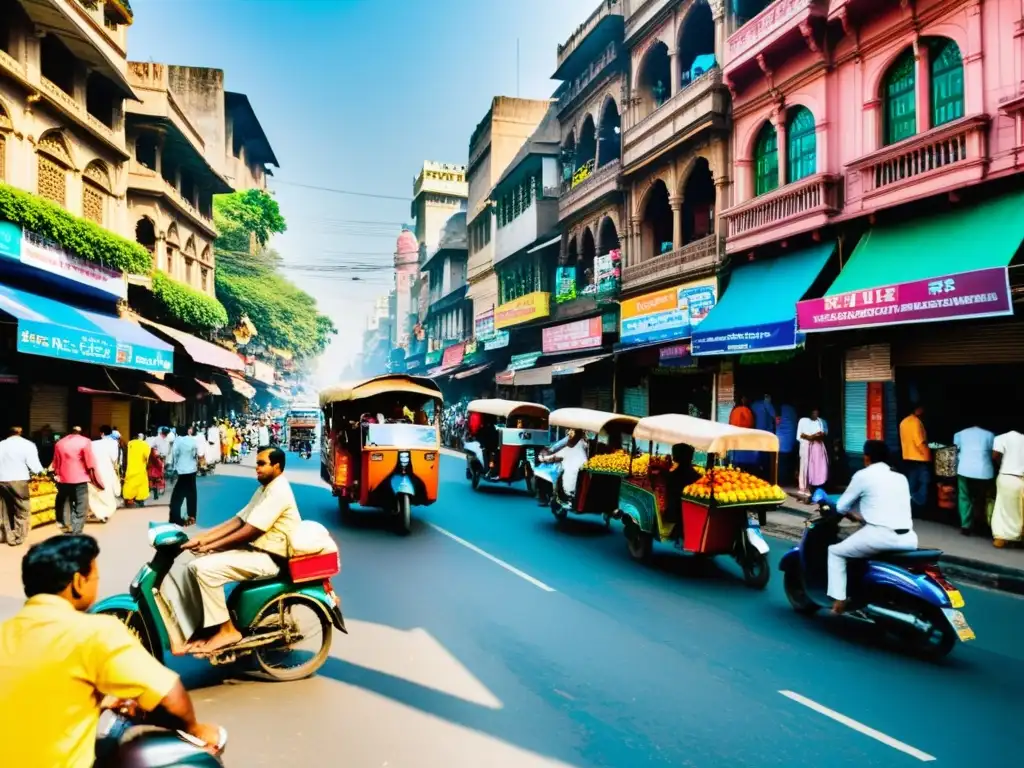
[{"x": 249, "y": 280}]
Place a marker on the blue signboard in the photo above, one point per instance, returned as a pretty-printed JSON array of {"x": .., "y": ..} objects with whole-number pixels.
[
  {"x": 64, "y": 343},
  {"x": 757, "y": 338},
  {"x": 666, "y": 315}
]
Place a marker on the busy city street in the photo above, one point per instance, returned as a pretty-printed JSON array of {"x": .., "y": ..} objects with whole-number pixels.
[{"x": 492, "y": 637}]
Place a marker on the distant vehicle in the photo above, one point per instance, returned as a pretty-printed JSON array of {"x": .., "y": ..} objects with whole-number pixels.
[{"x": 301, "y": 424}]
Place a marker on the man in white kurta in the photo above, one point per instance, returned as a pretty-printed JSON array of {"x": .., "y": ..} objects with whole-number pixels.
[
  {"x": 879, "y": 497},
  {"x": 213, "y": 444},
  {"x": 1008, "y": 515}
]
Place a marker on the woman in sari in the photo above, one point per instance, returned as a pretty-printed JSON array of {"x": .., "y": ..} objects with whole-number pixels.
[
  {"x": 155, "y": 472},
  {"x": 811, "y": 434},
  {"x": 227, "y": 438},
  {"x": 136, "y": 476},
  {"x": 103, "y": 504}
]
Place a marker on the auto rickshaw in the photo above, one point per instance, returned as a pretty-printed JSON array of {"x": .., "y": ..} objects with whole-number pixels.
[
  {"x": 502, "y": 440},
  {"x": 596, "y": 490},
  {"x": 717, "y": 512},
  {"x": 381, "y": 444}
]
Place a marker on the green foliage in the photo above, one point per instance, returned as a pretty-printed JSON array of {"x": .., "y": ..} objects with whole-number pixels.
[
  {"x": 187, "y": 305},
  {"x": 80, "y": 237},
  {"x": 241, "y": 214}
]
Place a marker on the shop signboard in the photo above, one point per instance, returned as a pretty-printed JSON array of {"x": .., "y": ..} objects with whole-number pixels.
[
  {"x": 61, "y": 342},
  {"x": 497, "y": 340},
  {"x": 522, "y": 362},
  {"x": 610, "y": 320},
  {"x": 675, "y": 356},
  {"x": 668, "y": 314},
  {"x": 979, "y": 293},
  {"x": 483, "y": 327},
  {"x": 565, "y": 284},
  {"x": 606, "y": 273},
  {"x": 569, "y": 337},
  {"x": 532, "y": 306},
  {"x": 766, "y": 337},
  {"x": 31, "y": 250},
  {"x": 453, "y": 355},
  {"x": 433, "y": 358}
]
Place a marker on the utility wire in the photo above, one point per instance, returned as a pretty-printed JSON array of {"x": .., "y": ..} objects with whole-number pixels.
[{"x": 336, "y": 191}]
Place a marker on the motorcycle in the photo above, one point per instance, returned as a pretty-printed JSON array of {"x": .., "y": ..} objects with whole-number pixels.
[
  {"x": 266, "y": 611},
  {"x": 117, "y": 747},
  {"x": 901, "y": 592}
]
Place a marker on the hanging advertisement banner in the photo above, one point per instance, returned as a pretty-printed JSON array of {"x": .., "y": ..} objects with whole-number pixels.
[
  {"x": 668, "y": 314},
  {"x": 876, "y": 410},
  {"x": 569, "y": 337},
  {"x": 484, "y": 325}
]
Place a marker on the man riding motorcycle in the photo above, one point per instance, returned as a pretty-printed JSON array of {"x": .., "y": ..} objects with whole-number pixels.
[
  {"x": 572, "y": 456},
  {"x": 60, "y": 666},
  {"x": 251, "y": 545},
  {"x": 878, "y": 497}
]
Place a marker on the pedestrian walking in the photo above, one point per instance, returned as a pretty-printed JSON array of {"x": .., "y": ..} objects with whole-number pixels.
[
  {"x": 74, "y": 465},
  {"x": 184, "y": 462},
  {"x": 1008, "y": 515},
  {"x": 136, "y": 474},
  {"x": 213, "y": 444},
  {"x": 19, "y": 460},
  {"x": 974, "y": 473},
  {"x": 103, "y": 501},
  {"x": 811, "y": 433},
  {"x": 917, "y": 457}
]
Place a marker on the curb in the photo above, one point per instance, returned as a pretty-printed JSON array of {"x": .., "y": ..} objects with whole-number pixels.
[{"x": 977, "y": 572}]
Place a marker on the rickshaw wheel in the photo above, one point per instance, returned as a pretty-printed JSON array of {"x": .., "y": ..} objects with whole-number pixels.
[
  {"x": 531, "y": 486},
  {"x": 560, "y": 513},
  {"x": 344, "y": 509},
  {"x": 640, "y": 544},
  {"x": 475, "y": 479},
  {"x": 403, "y": 521},
  {"x": 756, "y": 570}
]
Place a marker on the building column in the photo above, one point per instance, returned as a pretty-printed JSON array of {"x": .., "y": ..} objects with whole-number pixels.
[
  {"x": 922, "y": 82},
  {"x": 780, "y": 136},
  {"x": 675, "y": 76},
  {"x": 721, "y": 31},
  {"x": 675, "y": 202},
  {"x": 721, "y": 204},
  {"x": 636, "y": 244}
]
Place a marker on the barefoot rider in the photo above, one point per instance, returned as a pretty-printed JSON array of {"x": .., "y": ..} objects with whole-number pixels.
[{"x": 251, "y": 545}]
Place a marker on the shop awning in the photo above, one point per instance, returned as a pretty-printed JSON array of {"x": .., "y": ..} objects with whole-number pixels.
[
  {"x": 542, "y": 375},
  {"x": 757, "y": 312},
  {"x": 209, "y": 386},
  {"x": 950, "y": 266},
  {"x": 202, "y": 351},
  {"x": 164, "y": 393},
  {"x": 242, "y": 387},
  {"x": 472, "y": 371},
  {"x": 54, "y": 329}
]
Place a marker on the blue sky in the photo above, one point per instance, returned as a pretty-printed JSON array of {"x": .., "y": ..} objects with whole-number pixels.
[{"x": 354, "y": 95}]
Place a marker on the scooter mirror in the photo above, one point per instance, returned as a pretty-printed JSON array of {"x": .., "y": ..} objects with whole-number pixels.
[{"x": 819, "y": 496}]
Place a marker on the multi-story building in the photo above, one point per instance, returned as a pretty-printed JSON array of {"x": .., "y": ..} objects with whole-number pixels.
[
  {"x": 248, "y": 155},
  {"x": 495, "y": 141},
  {"x": 449, "y": 312},
  {"x": 407, "y": 270},
  {"x": 63, "y": 86}
]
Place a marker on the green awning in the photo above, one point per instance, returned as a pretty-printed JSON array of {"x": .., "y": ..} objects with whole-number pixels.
[{"x": 980, "y": 236}]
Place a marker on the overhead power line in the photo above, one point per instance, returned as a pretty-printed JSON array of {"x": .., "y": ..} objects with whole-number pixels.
[{"x": 336, "y": 191}]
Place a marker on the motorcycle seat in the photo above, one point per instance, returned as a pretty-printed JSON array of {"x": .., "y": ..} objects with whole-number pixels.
[{"x": 914, "y": 556}]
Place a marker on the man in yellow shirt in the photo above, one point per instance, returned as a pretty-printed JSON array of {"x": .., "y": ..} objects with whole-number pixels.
[
  {"x": 917, "y": 457},
  {"x": 253, "y": 544},
  {"x": 57, "y": 663}
]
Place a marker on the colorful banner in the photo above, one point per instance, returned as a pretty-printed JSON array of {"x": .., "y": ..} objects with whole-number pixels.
[
  {"x": 767, "y": 337},
  {"x": 50, "y": 340},
  {"x": 565, "y": 284},
  {"x": 453, "y": 355},
  {"x": 433, "y": 358},
  {"x": 981, "y": 293},
  {"x": 569, "y": 337},
  {"x": 484, "y": 325},
  {"x": 522, "y": 362},
  {"x": 532, "y": 306},
  {"x": 668, "y": 314},
  {"x": 876, "y": 410},
  {"x": 497, "y": 340}
]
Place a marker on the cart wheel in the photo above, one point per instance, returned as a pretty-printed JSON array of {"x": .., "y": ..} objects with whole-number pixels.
[
  {"x": 640, "y": 544},
  {"x": 475, "y": 478},
  {"x": 755, "y": 570}
]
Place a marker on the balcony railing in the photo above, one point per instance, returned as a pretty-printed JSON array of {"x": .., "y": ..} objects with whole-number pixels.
[
  {"x": 78, "y": 109},
  {"x": 779, "y": 19},
  {"x": 604, "y": 180},
  {"x": 928, "y": 162},
  {"x": 802, "y": 202},
  {"x": 693, "y": 259},
  {"x": 594, "y": 71},
  {"x": 11, "y": 64}
]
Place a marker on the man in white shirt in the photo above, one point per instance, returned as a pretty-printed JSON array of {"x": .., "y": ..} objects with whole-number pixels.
[
  {"x": 572, "y": 458},
  {"x": 1008, "y": 515},
  {"x": 878, "y": 497},
  {"x": 19, "y": 460},
  {"x": 263, "y": 435},
  {"x": 251, "y": 545},
  {"x": 974, "y": 474}
]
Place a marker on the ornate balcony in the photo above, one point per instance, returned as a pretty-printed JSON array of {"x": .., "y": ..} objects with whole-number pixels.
[
  {"x": 798, "y": 207},
  {"x": 781, "y": 27},
  {"x": 943, "y": 159},
  {"x": 148, "y": 181},
  {"x": 696, "y": 259},
  {"x": 77, "y": 111},
  {"x": 604, "y": 181},
  {"x": 703, "y": 103}
]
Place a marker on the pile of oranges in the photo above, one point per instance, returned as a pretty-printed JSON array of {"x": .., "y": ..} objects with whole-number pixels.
[
  {"x": 618, "y": 463},
  {"x": 732, "y": 486}
]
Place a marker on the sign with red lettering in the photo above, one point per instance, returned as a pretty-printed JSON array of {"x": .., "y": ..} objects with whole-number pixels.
[{"x": 876, "y": 410}]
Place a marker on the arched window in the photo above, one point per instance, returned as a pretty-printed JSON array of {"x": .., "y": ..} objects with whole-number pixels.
[
  {"x": 900, "y": 101},
  {"x": 801, "y": 145},
  {"x": 766, "y": 160},
  {"x": 53, "y": 161},
  {"x": 95, "y": 191},
  {"x": 947, "y": 75}
]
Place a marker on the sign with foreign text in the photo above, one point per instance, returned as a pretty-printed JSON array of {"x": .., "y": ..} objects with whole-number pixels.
[
  {"x": 980, "y": 293},
  {"x": 569, "y": 337},
  {"x": 876, "y": 410},
  {"x": 453, "y": 355},
  {"x": 497, "y": 340},
  {"x": 50, "y": 340},
  {"x": 31, "y": 250},
  {"x": 522, "y": 362},
  {"x": 532, "y": 306},
  {"x": 484, "y": 325},
  {"x": 668, "y": 314},
  {"x": 767, "y": 337}
]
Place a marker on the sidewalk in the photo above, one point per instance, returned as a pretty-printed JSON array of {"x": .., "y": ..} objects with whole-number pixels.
[{"x": 971, "y": 559}]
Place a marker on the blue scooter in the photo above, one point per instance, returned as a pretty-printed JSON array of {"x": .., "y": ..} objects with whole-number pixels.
[{"x": 904, "y": 593}]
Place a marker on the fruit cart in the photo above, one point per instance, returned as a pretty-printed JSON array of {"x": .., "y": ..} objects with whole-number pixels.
[
  {"x": 597, "y": 483},
  {"x": 42, "y": 495},
  {"x": 717, "y": 511}
]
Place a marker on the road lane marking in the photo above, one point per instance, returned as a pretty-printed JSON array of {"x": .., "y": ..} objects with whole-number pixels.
[
  {"x": 497, "y": 561},
  {"x": 849, "y": 722}
]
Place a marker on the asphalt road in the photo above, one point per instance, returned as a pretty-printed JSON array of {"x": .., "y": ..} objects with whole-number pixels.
[{"x": 489, "y": 637}]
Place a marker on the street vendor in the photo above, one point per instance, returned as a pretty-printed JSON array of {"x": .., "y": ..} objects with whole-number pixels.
[{"x": 681, "y": 475}]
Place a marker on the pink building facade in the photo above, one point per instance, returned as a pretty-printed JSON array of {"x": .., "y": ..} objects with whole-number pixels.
[{"x": 843, "y": 109}]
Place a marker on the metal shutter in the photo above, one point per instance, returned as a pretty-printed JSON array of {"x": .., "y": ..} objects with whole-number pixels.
[
  {"x": 114, "y": 412},
  {"x": 49, "y": 407},
  {"x": 855, "y": 417},
  {"x": 725, "y": 395},
  {"x": 598, "y": 397},
  {"x": 870, "y": 363},
  {"x": 635, "y": 401},
  {"x": 994, "y": 343}
]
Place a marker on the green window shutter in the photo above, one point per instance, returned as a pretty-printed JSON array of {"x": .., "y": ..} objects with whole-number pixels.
[
  {"x": 947, "y": 75},
  {"x": 900, "y": 100},
  {"x": 766, "y": 160},
  {"x": 801, "y": 145}
]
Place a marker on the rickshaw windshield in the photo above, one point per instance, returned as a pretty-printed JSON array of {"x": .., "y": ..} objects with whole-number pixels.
[
  {"x": 512, "y": 412},
  {"x": 703, "y": 435}
]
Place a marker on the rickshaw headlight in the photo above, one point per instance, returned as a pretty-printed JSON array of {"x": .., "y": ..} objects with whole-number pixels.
[
  {"x": 403, "y": 458},
  {"x": 429, "y": 456}
]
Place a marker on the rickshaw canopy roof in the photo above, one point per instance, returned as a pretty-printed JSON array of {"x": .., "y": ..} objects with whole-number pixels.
[
  {"x": 704, "y": 435},
  {"x": 507, "y": 408},
  {"x": 592, "y": 421},
  {"x": 348, "y": 391}
]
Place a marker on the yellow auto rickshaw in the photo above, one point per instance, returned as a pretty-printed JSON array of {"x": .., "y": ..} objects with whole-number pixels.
[{"x": 380, "y": 444}]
